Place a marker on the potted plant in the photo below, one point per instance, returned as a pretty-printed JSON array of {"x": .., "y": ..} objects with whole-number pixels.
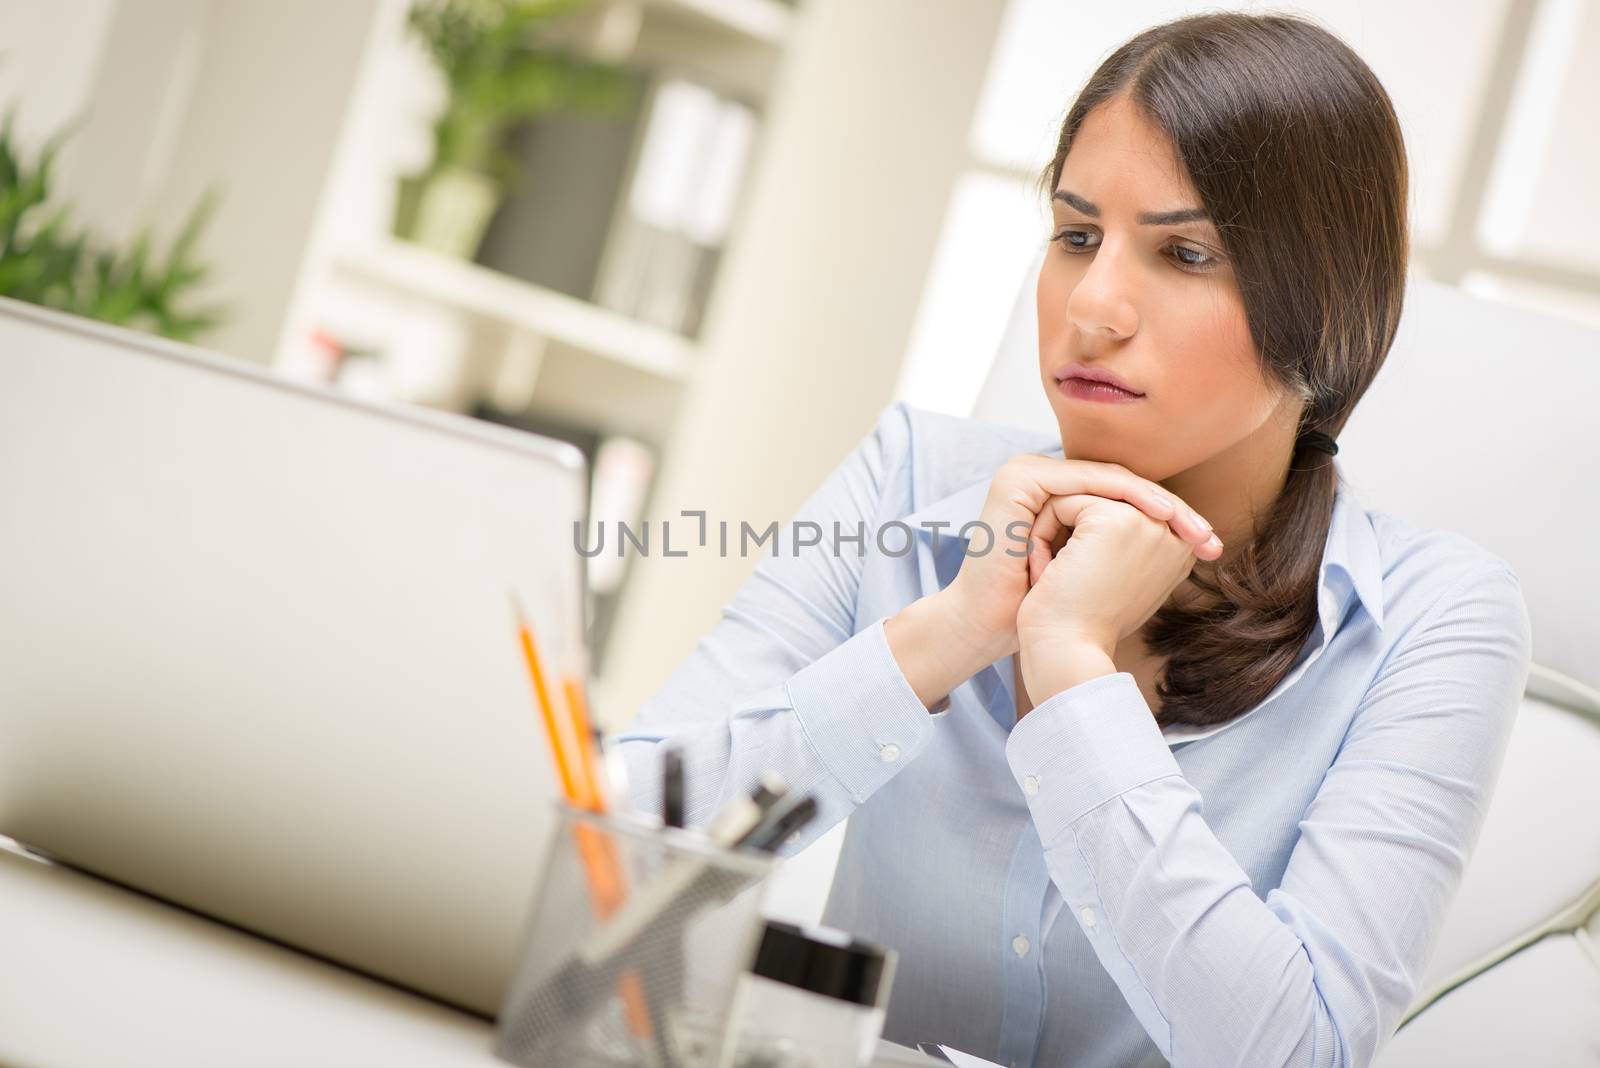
[
  {"x": 46, "y": 259},
  {"x": 499, "y": 73}
]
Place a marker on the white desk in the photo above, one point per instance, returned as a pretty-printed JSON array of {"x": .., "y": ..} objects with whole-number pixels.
[{"x": 91, "y": 975}]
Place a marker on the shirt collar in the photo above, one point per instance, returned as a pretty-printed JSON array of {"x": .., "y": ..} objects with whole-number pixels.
[{"x": 1352, "y": 547}]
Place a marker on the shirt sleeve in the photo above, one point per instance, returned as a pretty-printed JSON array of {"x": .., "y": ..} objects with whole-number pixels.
[
  {"x": 1322, "y": 969},
  {"x": 785, "y": 682}
]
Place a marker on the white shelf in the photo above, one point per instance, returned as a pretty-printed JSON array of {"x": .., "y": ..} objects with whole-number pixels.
[
  {"x": 488, "y": 294},
  {"x": 766, "y": 21}
]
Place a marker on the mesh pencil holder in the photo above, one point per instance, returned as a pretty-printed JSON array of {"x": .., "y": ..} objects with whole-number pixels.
[{"x": 632, "y": 951}]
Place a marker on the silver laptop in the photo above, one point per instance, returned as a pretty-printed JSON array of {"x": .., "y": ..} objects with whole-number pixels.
[{"x": 258, "y": 655}]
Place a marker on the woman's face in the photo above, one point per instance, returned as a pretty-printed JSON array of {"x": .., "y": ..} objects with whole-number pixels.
[{"x": 1136, "y": 283}]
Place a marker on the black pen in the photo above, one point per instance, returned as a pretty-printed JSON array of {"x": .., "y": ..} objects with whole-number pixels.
[
  {"x": 770, "y": 838},
  {"x": 672, "y": 787},
  {"x": 733, "y": 827}
]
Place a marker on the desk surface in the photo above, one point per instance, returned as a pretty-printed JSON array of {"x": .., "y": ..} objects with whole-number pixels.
[{"x": 93, "y": 974}]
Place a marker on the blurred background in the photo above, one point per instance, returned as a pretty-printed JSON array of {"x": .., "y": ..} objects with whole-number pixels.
[{"x": 665, "y": 230}]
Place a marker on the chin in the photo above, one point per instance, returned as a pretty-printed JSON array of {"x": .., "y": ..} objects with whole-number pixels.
[
  {"x": 1097, "y": 447},
  {"x": 1103, "y": 448}
]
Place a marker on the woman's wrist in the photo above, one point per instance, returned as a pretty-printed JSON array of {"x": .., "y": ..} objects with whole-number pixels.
[
  {"x": 1054, "y": 665},
  {"x": 929, "y": 642}
]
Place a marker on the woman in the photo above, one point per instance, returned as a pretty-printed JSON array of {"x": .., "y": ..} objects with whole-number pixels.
[{"x": 1160, "y": 788}]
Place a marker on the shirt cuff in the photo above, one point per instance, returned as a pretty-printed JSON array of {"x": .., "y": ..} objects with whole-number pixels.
[
  {"x": 859, "y": 713},
  {"x": 1084, "y": 746}
]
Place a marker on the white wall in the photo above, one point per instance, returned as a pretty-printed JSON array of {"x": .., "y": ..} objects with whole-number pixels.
[
  {"x": 49, "y": 58},
  {"x": 49, "y": 52},
  {"x": 178, "y": 96},
  {"x": 266, "y": 109}
]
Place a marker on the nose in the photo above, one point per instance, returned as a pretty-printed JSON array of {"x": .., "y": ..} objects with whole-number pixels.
[{"x": 1101, "y": 303}]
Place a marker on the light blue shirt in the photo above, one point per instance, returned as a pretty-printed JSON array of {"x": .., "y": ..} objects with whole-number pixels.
[{"x": 1082, "y": 887}]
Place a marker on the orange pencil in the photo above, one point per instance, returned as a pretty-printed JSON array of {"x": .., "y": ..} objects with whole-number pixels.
[
  {"x": 581, "y": 786},
  {"x": 570, "y": 789},
  {"x": 588, "y": 765}
]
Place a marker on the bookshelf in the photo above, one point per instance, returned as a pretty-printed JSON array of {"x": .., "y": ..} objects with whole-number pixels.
[
  {"x": 415, "y": 273},
  {"x": 764, "y": 21},
  {"x": 579, "y": 315}
]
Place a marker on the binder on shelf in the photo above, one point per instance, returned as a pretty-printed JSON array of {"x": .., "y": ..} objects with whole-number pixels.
[{"x": 679, "y": 207}]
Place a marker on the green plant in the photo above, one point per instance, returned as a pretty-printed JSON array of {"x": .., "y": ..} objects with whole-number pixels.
[
  {"x": 499, "y": 72},
  {"x": 46, "y": 259}
]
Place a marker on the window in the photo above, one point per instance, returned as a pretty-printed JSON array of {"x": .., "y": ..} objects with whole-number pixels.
[{"x": 1498, "y": 125}]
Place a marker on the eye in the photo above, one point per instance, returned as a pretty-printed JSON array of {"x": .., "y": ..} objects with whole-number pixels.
[
  {"x": 1074, "y": 240},
  {"x": 1079, "y": 241},
  {"x": 1191, "y": 259}
]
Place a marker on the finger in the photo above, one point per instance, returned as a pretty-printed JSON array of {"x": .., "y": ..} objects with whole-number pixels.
[
  {"x": 1047, "y": 526},
  {"x": 1064, "y": 512},
  {"x": 1045, "y": 539},
  {"x": 1059, "y": 542},
  {"x": 1052, "y": 476},
  {"x": 1040, "y": 552}
]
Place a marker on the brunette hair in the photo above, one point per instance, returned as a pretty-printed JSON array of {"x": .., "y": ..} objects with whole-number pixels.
[{"x": 1297, "y": 155}]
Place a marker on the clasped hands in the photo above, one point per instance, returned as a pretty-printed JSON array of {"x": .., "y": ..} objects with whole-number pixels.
[{"x": 1105, "y": 549}]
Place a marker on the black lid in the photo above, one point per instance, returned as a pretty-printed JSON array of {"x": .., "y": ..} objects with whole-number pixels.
[{"x": 823, "y": 961}]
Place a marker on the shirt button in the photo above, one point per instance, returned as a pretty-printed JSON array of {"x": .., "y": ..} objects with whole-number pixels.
[
  {"x": 890, "y": 753},
  {"x": 1020, "y": 945},
  {"x": 1030, "y": 785},
  {"x": 1088, "y": 916}
]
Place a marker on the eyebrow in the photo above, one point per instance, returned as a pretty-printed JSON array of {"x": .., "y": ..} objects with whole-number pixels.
[{"x": 1148, "y": 218}]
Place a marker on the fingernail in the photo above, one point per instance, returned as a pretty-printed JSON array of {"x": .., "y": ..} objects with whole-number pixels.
[
  {"x": 1203, "y": 524},
  {"x": 1163, "y": 501},
  {"x": 1213, "y": 542}
]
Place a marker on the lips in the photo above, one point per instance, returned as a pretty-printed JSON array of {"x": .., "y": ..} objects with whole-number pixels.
[
  {"x": 1082, "y": 389},
  {"x": 1096, "y": 375},
  {"x": 1097, "y": 384}
]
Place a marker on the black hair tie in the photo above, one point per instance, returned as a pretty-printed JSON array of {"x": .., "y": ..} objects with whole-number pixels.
[{"x": 1316, "y": 439}]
